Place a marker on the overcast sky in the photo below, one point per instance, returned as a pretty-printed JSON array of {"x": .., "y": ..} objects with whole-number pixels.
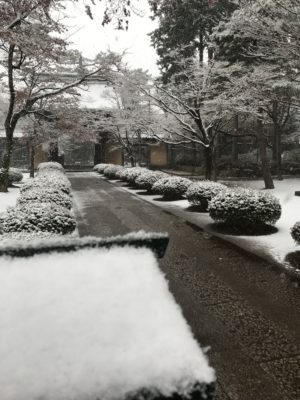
[{"x": 90, "y": 37}]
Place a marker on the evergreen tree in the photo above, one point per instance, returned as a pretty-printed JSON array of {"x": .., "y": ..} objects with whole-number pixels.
[{"x": 185, "y": 26}]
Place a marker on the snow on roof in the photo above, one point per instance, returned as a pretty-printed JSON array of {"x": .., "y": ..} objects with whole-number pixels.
[
  {"x": 96, "y": 96},
  {"x": 93, "y": 324}
]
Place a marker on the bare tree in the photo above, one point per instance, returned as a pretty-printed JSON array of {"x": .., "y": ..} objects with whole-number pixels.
[{"x": 32, "y": 57}]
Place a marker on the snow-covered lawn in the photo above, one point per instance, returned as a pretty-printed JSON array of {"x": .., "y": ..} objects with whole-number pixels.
[
  {"x": 9, "y": 199},
  {"x": 95, "y": 324},
  {"x": 275, "y": 246}
]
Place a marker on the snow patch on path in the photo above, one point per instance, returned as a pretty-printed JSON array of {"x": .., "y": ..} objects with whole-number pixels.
[{"x": 9, "y": 199}]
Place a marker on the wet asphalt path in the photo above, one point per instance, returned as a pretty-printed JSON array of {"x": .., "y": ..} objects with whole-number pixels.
[{"x": 236, "y": 304}]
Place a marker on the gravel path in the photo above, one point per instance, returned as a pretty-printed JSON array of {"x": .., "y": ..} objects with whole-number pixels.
[{"x": 234, "y": 303}]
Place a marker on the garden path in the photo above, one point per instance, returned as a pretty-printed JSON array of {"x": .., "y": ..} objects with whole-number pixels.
[{"x": 234, "y": 302}]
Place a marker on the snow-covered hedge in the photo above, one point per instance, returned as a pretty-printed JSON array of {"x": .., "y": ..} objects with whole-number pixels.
[
  {"x": 171, "y": 187},
  {"x": 120, "y": 172},
  {"x": 131, "y": 174},
  {"x": 243, "y": 207},
  {"x": 55, "y": 180},
  {"x": 147, "y": 179},
  {"x": 45, "y": 195},
  {"x": 38, "y": 217},
  {"x": 201, "y": 193},
  {"x": 111, "y": 171},
  {"x": 51, "y": 165},
  {"x": 295, "y": 232},
  {"x": 101, "y": 167}
]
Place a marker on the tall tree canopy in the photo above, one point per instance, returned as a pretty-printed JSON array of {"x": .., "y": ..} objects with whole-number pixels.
[{"x": 185, "y": 25}]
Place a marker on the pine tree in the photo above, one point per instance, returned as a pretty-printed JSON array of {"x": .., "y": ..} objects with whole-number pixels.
[{"x": 184, "y": 27}]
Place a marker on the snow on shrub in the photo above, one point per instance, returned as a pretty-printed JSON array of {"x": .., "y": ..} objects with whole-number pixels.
[
  {"x": 241, "y": 207},
  {"x": 35, "y": 217},
  {"x": 51, "y": 165},
  {"x": 147, "y": 179},
  {"x": 14, "y": 176},
  {"x": 45, "y": 195},
  {"x": 41, "y": 182},
  {"x": 120, "y": 172},
  {"x": 201, "y": 193},
  {"x": 98, "y": 166},
  {"x": 28, "y": 237},
  {"x": 111, "y": 171},
  {"x": 171, "y": 187},
  {"x": 53, "y": 180},
  {"x": 123, "y": 174},
  {"x": 95, "y": 325},
  {"x": 101, "y": 167},
  {"x": 133, "y": 173},
  {"x": 295, "y": 232}
]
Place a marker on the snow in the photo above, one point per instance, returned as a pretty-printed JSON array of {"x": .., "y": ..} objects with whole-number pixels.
[
  {"x": 87, "y": 326},
  {"x": 274, "y": 247},
  {"x": 281, "y": 243},
  {"x": 9, "y": 199}
]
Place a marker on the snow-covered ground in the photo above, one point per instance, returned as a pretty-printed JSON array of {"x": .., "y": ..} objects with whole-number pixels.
[
  {"x": 101, "y": 324},
  {"x": 9, "y": 199},
  {"x": 275, "y": 246}
]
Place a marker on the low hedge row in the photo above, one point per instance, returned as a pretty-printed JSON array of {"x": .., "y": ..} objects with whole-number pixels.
[
  {"x": 44, "y": 204},
  {"x": 236, "y": 207}
]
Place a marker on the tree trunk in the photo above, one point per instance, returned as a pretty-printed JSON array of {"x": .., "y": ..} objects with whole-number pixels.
[
  {"x": 6, "y": 162},
  {"x": 132, "y": 160},
  {"x": 53, "y": 152},
  {"x": 276, "y": 141},
  {"x": 234, "y": 150},
  {"x": 32, "y": 156},
  {"x": 279, "y": 159},
  {"x": 214, "y": 168},
  {"x": 269, "y": 184},
  {"x": 194, "y": 150},
  {"x": 208, "y": 163}
]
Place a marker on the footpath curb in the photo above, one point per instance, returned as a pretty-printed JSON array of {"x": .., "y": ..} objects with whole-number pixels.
[{"x": 285, "y": 270}]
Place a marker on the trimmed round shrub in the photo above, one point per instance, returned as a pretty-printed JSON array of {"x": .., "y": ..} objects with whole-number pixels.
[
  {"x": 53, "y": 181},
  {"x": 147, "y": 179},
  {"x": 133, "y": 173},
  {"x": 38, "y": 217},
  {"x": 45, "y": 195},
  {"x": 95, "y": 168},
  {"x": 244, "y": 207},
  {"x": 120, "y": 172},
  {"x": 101, "y": 167},
  {"x": 111, "y": 171},
  {"x": 51, "y": 165},
  {"x": 295, "y": 232},
  {"x": 14, "y": 176},
  {"x": 201, "y": 193},
  {"x": 171, "y": 188}
]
